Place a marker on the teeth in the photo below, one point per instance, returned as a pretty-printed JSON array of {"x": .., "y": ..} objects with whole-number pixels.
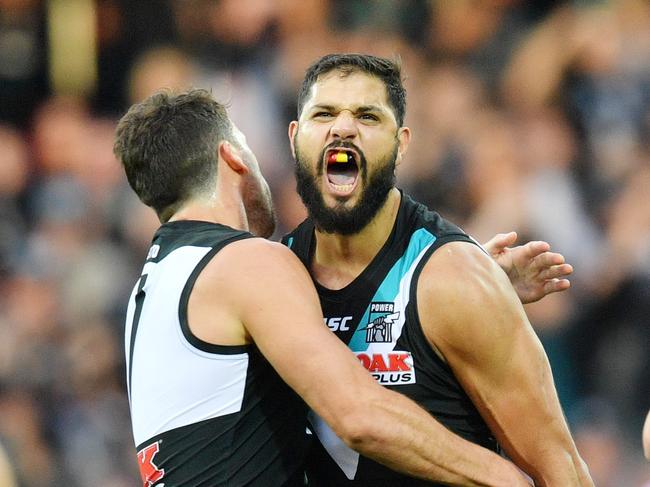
[{"x": 342, "y": 187}]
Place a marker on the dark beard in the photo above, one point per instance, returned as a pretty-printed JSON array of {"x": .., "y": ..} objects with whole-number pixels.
[{"x": 341, "y": 220}]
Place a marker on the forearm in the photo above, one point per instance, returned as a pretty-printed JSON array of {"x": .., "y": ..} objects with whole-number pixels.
[
  {"x": 541, "y": 445},
  {"x": 412, "y": 442},
  {"x": 564, "y": 469},
  {"x": 539, "y": 432}
]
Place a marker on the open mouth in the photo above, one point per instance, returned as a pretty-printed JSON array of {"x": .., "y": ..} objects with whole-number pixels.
[{"x": 342, "y": 168}]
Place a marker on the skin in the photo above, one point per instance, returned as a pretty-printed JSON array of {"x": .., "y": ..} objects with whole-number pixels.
[
  {"x": 334, "y": 113},
  {"x": 7, "y": 478},
  {"x": 498, "y": 360},
  {"x": 646, "y": 437},
  {"x": 377, "y": 422},
  {"x": 503, "y": 366},
  {"x": 534, "y": 271}
]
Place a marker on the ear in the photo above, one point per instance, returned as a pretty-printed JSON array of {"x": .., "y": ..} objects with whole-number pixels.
[
  {"x": 404, "y": 139},
  {"x": 230, "y": 155},
  {"x": 293, "y": 130}
]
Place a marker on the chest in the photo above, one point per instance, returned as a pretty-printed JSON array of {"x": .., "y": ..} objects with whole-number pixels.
[{"x": 371, "y": 317}]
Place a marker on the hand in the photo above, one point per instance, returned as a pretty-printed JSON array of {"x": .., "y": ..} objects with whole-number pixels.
[{"x": 533, "y": 270}]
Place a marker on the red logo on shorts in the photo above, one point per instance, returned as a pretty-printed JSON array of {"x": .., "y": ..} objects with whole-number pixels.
[{"x": 149, "y": 472}]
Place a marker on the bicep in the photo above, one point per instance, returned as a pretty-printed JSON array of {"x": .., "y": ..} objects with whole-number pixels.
[
  {"x": 491, "y": 345},
  {"x": 479, "y": 326},
  {"x": 281, "y": 311}
]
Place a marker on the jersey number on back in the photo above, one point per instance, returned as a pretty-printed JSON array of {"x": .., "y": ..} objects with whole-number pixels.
[{"x": 139, "y": 302}]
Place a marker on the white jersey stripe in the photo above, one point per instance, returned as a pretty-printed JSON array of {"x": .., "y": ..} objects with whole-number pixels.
[{"x": 196, "y": 385}]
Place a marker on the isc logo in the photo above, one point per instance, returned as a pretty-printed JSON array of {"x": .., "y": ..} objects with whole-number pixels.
[{"x": 338, "y": 323}]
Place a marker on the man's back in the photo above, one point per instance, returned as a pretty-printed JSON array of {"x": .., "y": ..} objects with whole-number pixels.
[{"x": 203, "y": 414}]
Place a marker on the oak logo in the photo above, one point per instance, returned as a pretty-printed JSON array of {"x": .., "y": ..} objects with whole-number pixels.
[
  {"x": 149, "y": 471},
  {"x": 389, "y": 368}
]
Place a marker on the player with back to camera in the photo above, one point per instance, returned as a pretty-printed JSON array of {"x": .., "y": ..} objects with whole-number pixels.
[
  {"x": 220, "y": 320},
  {"x": 454, "y": 336}
]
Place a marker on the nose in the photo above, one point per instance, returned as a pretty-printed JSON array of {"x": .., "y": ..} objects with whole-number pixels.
[{"x": 344, "y": 126}]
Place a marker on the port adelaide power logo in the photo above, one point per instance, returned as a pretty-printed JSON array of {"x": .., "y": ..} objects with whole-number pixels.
[
  {"x": 380, "y": 323},
  {"x": 387, "y": 367}
]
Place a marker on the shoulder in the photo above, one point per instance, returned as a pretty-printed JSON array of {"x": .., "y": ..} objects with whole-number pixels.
[
  {"x": 253, "y": 270},
  {"x": 253, "y": 257},
  {"x": 458, "y": 264},
  {"x": 465, "y": 299},
  {"x": 459, "y": 276}
]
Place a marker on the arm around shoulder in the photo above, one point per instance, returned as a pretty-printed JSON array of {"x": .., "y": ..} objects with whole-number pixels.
[
  {"x": 473, "y": 318},
  {"x": 275, "y": 299}
]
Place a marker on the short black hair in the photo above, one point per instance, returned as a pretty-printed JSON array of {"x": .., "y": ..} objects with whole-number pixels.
[
  {"x": 390, "y": 72},
  {"x": 168, "y": 147}
]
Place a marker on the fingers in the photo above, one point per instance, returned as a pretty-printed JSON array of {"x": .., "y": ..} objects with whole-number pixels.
[
  {"x": 549, "y": 265},
  {"x": 556, "y": 272},
  {"x": 500, "y": 241},
  {"x": 556, "y": 285},
  {"x": 506, "y": 239},
  {"x": 533, "y": 249},
  {"x": 548, "y": 259}
]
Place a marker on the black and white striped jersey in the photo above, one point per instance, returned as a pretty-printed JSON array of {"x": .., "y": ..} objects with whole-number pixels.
[
  {"x": 376, "y": 316},
  {"x": 203, "y": 415}
]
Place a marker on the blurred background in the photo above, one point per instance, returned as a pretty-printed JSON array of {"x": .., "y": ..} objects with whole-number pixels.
[{"x": 526, "y": 116}]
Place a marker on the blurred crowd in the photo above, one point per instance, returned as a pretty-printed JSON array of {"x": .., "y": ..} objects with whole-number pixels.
[{"x": 526, "y": 116}]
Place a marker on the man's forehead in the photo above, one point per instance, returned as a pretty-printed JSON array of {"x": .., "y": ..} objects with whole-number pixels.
[{"x": 357, "y": 88}]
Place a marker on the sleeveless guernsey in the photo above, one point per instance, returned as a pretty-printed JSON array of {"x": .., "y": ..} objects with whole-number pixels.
[
  {"x": 203, "y": 415},
  {"x": 376, "y": 316}
]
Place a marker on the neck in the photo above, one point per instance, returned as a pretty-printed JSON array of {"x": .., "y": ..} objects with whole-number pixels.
[
  {"x": 339, "y": 259},
  {"x": 214, "y": 210}
]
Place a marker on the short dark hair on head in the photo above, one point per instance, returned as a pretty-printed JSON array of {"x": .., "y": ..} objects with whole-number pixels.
[
  {"x": 390, "y": 72},
  {"x": 168, "y": 147}
]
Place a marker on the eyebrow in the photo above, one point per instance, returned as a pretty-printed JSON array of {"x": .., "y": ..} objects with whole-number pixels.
[{"x": 361, "y": 109}]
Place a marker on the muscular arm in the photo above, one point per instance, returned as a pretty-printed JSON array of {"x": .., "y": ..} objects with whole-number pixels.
[
  {"x": 473, "y": 318},
  {"x": 266, "y": 287}
]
